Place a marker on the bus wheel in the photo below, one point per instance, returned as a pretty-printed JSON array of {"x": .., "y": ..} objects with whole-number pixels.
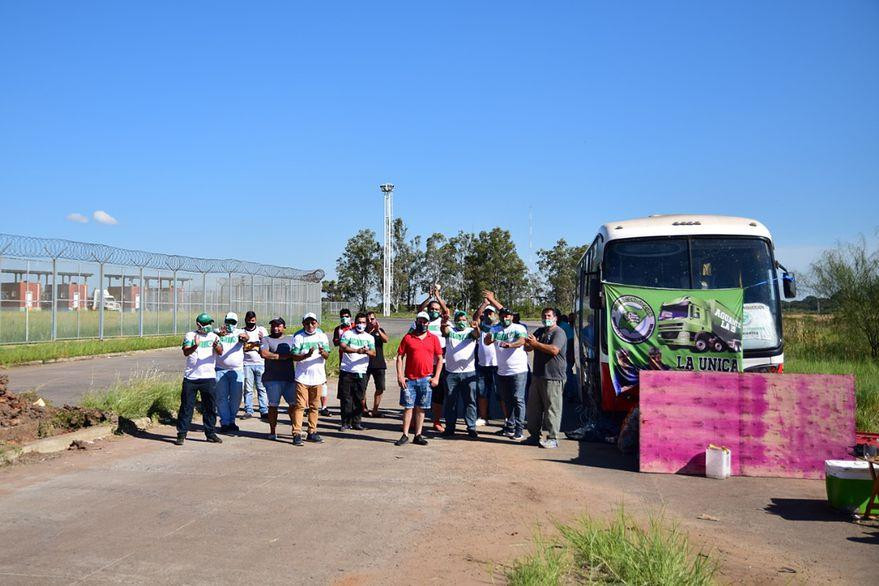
[{"x": 701, "y": 344}]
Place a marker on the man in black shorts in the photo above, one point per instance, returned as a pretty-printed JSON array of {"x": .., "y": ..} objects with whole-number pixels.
[{"x": 377, "y": 365}]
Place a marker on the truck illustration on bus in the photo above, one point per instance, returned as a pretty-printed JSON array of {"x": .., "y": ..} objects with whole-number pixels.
[{"x": 701, "y": 324}]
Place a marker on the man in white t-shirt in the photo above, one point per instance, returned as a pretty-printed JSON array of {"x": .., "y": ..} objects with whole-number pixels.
[
  {"x": 486, "y": 362},
  {"x": 460, "y": 355},
  {"x": 312, "y": 347},
  {"x": 254, "y": 367},
  {"x": 357, "y": 347},
  {"x": 512, "y": 370},
  {"x": 200, "y": 347},
  {"x": 230, "y": 372}
]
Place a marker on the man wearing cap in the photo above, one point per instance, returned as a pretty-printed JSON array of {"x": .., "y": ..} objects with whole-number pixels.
[
  {"x": 436, "y": 308},
  {"x": 200, "y": 347},
  {"x": 423, "y": 358},
  {"x": 357, "y": 347},
  {"x": 230, "y": 372},
  {"x": 276, "y": 350},
  {"x": 460, "y": 365},
  {"x": 311, "y": 348},
  {"x": 512, "y": 370},
  {"x": 547, "y": 383},
  {"x": 254, "y": 366}
]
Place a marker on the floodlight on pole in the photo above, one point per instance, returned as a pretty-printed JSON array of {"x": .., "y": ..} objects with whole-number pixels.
[{"x": 387, "y": 281}]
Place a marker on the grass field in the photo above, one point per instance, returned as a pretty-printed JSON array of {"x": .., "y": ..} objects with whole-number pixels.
[
  {"x": 815, "y": 344},
  {"x": 617, "y": 551},
  {"x": 48, "y": 351}
]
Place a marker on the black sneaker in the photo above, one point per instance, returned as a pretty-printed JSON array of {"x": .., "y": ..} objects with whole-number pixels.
[
  {"x": 233, "y": 427},
  {"x": 214, "y": 439},
  {"x": 264, "y": 417},
  {"x": 180, "y": 439},
  {"x": 344, "y": 427},
  {"x": 325, "y": 412},
  {"x": 297, "y": 440},
  {"x": 419, "y": 440},
  {"x": 223, "y": 429},
  {"x": 533, "y": 440},
  {"x": 404, "y": 439},
  {"x": 247, "y": 416},
  {"x": 471, "y": 433},
  {"x": 447, "y": 433},
  {"x": 504, "y": 431},
  {"x": 358, "y": 427},
  {"x": 314, "y": 437}
]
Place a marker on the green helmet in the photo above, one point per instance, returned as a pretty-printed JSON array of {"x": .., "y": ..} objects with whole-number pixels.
[{"x": 204, "y": 319}]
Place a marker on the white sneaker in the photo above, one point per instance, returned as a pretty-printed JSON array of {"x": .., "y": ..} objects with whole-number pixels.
[
  {"x": 549, "y": 444},
  {"x": 480, "y": 422}
]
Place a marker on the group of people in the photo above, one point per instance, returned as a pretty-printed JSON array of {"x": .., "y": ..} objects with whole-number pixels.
[{"x": 449, "y": 364}]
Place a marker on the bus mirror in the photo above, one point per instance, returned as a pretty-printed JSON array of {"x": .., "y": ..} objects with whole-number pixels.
[
  {"x": 790, "y": 285},
  {"x": 594, "y": 299}
]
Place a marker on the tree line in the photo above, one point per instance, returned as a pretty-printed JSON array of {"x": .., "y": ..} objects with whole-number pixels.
[{"x": 464, "y": 265}]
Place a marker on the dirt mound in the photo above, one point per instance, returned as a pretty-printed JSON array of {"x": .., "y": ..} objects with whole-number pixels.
[{"x": 23, "y": 420}]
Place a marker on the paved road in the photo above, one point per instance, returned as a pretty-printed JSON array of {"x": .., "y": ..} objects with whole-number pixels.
[
  {"x": 358, "y": 510},
  {"x": 67, "y": 382}
]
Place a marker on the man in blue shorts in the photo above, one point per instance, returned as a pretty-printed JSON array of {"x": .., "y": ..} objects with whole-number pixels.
[{"x": 422, "y": 355}]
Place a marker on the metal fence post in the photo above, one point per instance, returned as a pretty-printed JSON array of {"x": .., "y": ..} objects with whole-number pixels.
[
  {"x": 54, "y": 299},
  {"x": 142, "y": 299},
  {"x": 101, "y": 300},
  {"x": 174, "y": 289}
]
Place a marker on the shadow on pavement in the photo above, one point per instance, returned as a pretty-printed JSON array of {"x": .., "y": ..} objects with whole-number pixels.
[
  {"x": 805, "y": 510},
  {"x": 601, "y": 455}
]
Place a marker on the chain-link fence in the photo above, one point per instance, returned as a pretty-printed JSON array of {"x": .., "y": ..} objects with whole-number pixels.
[{"x": 59, "y": 289}]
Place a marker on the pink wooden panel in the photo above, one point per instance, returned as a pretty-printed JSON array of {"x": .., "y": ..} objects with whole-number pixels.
[{"x": 782, "y": 425}]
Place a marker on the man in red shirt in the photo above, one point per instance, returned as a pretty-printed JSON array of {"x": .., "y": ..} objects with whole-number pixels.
[{"x": 423, "y": 357}]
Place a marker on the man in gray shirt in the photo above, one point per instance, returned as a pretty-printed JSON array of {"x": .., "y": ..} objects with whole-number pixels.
[{"x": 544, "y": 410}]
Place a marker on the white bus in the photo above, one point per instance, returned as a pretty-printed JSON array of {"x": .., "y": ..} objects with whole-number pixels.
[{"x": 680, "y": 252}]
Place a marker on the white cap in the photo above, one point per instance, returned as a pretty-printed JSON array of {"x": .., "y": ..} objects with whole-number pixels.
[
  {"x": 309, "y": 315},
  {"x": 231, "y": 316},
  {"x": 422, "y": 314},
  {"x": 489, "y": 308}
]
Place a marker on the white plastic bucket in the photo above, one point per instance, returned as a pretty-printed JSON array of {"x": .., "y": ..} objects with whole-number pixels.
[{"x": 718, "y": 462}]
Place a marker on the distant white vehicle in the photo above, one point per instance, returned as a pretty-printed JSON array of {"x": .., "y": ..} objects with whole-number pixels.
[{"x": 110, "y": 303}]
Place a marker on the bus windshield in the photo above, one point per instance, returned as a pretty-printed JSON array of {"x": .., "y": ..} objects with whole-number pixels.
[{"x": 705, "y": 262}]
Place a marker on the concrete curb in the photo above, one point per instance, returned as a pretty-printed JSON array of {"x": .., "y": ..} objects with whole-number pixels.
[
  {"x": 78, "y": 358},
  {"x": 59, "y": 443}
]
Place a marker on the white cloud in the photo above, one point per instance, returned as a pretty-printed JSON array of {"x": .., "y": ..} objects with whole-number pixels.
[
  {"x": 103, "y": 217},
  {"x": 77, "y": 217}
]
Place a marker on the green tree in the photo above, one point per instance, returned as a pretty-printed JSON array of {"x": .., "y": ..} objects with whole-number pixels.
[
  {"x": 359, "y": 267},
  {"x": 330, "y": 288},
  {"x": 493, "y": 263},
  {"x": 558, "y": 269},
  {"x": 407, "y": 263},
  {"x": 849, "y": 276}
]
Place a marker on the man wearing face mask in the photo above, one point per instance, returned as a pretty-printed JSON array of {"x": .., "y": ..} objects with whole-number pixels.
[
  {"x": 377, "y": 365},
  {"x": 311, "y": 348},
  {"x": 512, "y": 370},
  {"x": 436, "y": 309},
  {"x": 277, "y": 350},
  {"x": 344, "y": 325},
  {"x": 486, "y": 356},
  {"x": 357, "y": 347},
  {"x": 423, "y": 359},
  {"x": 254, "y": 366},
  {"x": 548, "y": 381},
  {"x": 200, "y": 347},
  {"x": 460, "y": 364},
  {"x": 230, "y": 372}
]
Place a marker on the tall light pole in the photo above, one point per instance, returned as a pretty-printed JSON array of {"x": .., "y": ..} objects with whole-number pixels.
[{"x": 388, "y": 190}]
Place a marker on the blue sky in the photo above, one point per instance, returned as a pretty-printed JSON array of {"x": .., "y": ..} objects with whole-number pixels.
[{"x": 283, "y": 118}]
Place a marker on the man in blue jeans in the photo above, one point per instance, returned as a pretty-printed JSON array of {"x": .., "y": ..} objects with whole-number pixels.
[
  {"x": 460, "y": 363},
  {"x": 230, "y": 372},
  {"x": 423, "y": 358},
  {"x": 512, "y": 370},
  {"x": 254, "y": 367}
]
